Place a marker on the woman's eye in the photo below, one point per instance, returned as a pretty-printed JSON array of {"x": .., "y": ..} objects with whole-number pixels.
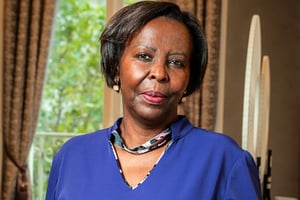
[
  {"x": 176, "y": 63},
  {"x": 144, "y": 57}
]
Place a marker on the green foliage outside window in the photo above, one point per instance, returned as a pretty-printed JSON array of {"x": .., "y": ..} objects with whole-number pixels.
[
  {"x": 73, "y": 92},
  {"x": 127, "y": 2}
]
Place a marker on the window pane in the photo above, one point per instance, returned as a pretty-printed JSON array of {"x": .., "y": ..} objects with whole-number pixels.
[{"x": 73, "y": 94}]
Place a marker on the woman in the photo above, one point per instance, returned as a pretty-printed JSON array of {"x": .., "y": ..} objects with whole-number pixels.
[{"x": 154, "y": 54}]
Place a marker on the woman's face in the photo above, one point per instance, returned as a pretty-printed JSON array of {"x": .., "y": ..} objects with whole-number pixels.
[{"x": 155, "y": 70}]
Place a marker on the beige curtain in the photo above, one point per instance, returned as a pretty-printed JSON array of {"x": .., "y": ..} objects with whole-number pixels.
[
  {"x": 201, "y": 107},
  {"x": 27, "y": 29}
]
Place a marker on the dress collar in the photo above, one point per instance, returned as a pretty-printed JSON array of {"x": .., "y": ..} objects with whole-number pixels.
[{"x": 179, "y": 128}]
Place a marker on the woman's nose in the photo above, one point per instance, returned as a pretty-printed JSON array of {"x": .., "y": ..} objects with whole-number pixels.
[{"x": 159, "y": 72}]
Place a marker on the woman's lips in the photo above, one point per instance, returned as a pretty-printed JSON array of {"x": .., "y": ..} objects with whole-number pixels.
[{"x": 154, "y": 97}]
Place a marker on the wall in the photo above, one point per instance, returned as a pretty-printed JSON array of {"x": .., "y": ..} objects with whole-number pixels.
[{"x": 280, "y": 23}]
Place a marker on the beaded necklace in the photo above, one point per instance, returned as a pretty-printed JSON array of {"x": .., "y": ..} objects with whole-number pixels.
[{"x": 154, "y": 143}]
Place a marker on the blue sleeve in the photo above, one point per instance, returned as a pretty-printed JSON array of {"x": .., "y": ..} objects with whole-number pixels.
[
  {"x": 243, "y": 181},
  {"x": 52, "y": 181}
]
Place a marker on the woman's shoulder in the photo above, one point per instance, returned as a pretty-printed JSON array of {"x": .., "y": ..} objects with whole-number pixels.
[
  {"x": 214, "y": 144},
  {"x": 217, "y": 147},
  {"x": 213, "y": 137},
  {"x": 84, "y": 142},
  {"x": 216, "y": 138},
  {"x": 182, "y": 128}
]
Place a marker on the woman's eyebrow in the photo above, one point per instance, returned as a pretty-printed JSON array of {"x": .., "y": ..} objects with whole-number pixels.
[
  {"x": 177, "y": 53},
  {"x": 146, "y": 46}
]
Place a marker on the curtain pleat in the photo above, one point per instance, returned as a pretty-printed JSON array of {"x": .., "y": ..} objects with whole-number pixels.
[
  {"x": 210, "y": 82},
  {"x": 201, "y": 106},
  {"x": 26, "y": 39}
]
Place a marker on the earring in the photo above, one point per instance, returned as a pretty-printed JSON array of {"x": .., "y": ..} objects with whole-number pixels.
[
  {"x": 183, "y": 98},
  {"x": 116, "y": 88}
]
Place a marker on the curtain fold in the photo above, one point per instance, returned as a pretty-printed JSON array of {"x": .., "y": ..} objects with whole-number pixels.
[
  {"x": 27, "y": 31},
  {"x": 212, "y": 24},
  {"x": 201, "y": 106}
]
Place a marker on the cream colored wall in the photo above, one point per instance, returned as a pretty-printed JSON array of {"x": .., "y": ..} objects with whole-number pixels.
[
  {"x": 222, "y": 68},
  {"x": 280, "y": 23}
]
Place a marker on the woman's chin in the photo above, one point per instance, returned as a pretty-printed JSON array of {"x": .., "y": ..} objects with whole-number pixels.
[{"x": 155, "y": 115}]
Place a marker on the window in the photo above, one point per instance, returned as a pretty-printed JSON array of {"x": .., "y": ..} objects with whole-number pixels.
[{"x": 73, "y": 95}]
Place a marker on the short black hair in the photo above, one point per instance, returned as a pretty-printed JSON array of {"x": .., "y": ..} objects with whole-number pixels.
[{"x": 131, "y": 19}]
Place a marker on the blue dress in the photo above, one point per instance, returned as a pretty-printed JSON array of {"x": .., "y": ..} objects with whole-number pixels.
[{"x": 198, "y": 165}]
